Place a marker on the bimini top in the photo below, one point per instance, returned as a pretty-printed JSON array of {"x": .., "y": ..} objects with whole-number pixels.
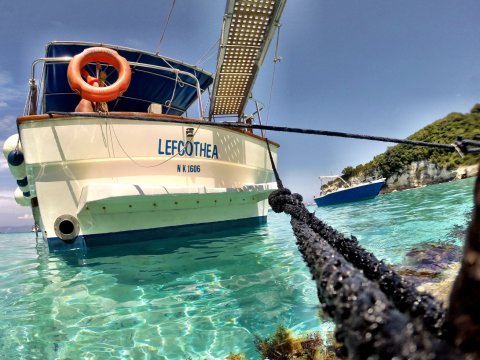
[{"x": 175, "y": 92}]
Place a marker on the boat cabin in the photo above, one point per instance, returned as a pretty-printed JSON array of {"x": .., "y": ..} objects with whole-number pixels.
[{"x": 158, "y": 84}]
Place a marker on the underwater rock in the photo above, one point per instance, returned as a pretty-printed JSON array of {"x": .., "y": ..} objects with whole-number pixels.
[
  {"x": 442, "y": 287},
  {"x": 428, "y": 262},
  {"x": 417, "y": 275},
  {"x": 434, "y": 256},
  {"x": 459, "y": 232},
  {"x": 434, "y": 266}
]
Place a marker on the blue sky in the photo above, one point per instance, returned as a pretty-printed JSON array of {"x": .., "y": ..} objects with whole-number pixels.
[{"x": 378, "y": 67}]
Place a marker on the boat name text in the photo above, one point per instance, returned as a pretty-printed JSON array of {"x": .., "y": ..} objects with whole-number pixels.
[{"x": 187, "y": 148}]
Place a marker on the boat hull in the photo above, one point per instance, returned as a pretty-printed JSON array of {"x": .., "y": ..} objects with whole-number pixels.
[
  {"x": 352, "y": 194},
  {"x": 167, "y": 233},
  {"x": 107, "y": 177}
]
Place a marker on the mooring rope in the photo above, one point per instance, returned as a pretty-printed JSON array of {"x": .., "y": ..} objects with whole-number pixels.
[
  {"x": 403, "y": 293},
  {"x": 461, "y": 143},
  {"x": 378, "y": 313},
  {"x": 368, "y": 324}
]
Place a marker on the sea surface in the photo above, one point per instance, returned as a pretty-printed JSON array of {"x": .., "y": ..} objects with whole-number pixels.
[{"x": 199, "y": 297}]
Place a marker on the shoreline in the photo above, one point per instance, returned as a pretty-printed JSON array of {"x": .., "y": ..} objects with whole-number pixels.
[
  {"x": 423, "y": 173},
  {"x": 415, "y": 175}
]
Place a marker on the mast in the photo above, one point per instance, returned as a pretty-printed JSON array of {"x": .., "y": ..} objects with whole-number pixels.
[{"x": 248, "y": 28}]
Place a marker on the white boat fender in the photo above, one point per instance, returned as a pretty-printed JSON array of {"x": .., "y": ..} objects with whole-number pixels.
[
  {"x": 67, "y": 228},
  {"x": 12, "y": 151},
  {"x": 20, "y": 197},
  {"x": 11, "y": 144}
]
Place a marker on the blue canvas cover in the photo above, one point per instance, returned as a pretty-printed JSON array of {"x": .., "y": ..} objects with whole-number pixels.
[{"x": 146, "y": 86}]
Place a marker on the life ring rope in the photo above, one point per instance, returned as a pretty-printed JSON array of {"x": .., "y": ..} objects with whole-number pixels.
[{"x": 83, "y": 83}]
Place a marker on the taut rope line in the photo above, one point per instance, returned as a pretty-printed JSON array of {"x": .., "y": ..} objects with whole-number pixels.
[{"x": 461, "y": 143}]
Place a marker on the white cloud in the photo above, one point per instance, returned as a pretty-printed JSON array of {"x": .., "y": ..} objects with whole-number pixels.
[
  {"x": 3, "y": 164},
  {"x": 6, "y": 120},
  {"x": 3, "y": 161},
  {"x": 11, "y": 94},
  {"x": 25, "y": 217},
  {"x": 9, "y": 91},
  {"x": 7, "y": 194},
  {"x": 7, "y": 200},
  {"x": 11, "y": 214},
  {"x": 8, "y": 124},
  {"x": 12, "y": 98},
  {"x": 5, "y": 78}
]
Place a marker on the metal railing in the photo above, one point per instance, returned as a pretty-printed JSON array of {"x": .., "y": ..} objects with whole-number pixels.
[{"x": 66, "y": 59}]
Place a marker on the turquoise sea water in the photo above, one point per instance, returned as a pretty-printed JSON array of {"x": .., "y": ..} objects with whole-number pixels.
[{"x": 200, "y": 297}]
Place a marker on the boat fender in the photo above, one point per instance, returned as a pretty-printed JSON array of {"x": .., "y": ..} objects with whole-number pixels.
[
  {"x": 16, "y": 164},
  {"x": 20, "y": 198},
  {"x": 23, "y": 184},
  {"x": 15, "y": 158},
  {"x": 86, "y": 88},
  {"x": 12, "y": 151},
  {"x": 12, "y": 143},
  {"x": 67, "y": 228}
]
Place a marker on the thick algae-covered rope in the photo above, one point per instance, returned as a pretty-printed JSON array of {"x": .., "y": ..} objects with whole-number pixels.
[
  {"x": 368, "y": 324},
  {"x": 401, "y": 292}
]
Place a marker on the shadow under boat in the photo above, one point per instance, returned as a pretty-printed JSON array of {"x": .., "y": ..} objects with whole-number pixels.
[{"x": 166, "y": 241}]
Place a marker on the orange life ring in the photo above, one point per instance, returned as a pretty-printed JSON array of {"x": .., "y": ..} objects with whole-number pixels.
[{"x": 98, "y": 94}]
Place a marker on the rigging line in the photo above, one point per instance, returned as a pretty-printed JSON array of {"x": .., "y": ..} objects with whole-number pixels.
[
  {"x": 180, "y": 83},
  {"x": 26, "y": 108},
  {"x": 165, "y": 27},
  {"x": 276, "y": 59},
  {"x": 274, "y": 168},
  {"x": 448, "y": 147},
  {"x": 208, "y": 54},
  {"x": 147, "y": 166},
  {"x": 132, "y": 159},
  {"x": 105, "y": 136},
  {"x": 111, "y": 137}
]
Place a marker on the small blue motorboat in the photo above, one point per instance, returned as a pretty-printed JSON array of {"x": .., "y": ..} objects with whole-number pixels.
[{"x": 364, "y": 191}]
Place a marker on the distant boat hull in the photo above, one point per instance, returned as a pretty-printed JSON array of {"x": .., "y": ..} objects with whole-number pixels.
[{"x": 355, "y": 193}]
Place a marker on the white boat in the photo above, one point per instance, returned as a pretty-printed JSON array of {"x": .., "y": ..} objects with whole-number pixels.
[{"x": 141, "y": 170}]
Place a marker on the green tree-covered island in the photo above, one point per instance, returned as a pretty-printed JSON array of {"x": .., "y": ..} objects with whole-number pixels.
[{"x": 406, "y": 166}]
